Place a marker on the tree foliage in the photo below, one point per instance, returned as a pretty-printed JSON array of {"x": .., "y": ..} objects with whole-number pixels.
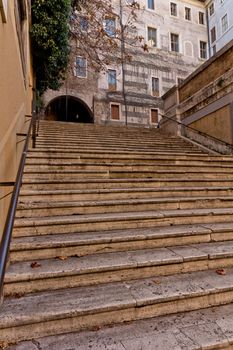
[{"x": 50, "y": 42}]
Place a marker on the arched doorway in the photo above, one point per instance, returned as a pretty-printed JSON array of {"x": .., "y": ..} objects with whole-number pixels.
[{"x": 70, "y": 109}]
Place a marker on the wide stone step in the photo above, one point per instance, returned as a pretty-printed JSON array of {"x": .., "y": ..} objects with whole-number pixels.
[
  {"x": 75, "y": 244},
  {"x": 76, "y": 271},
  {"x": 116, "y": 221},
  {"x": 74, "y": 309},
  {"x": 80, "y": 165},
  {"x": 133, "y": 183},
  {"x": 56, "y": 174},
  {"x": 121, "y": 193},
  {"x": 119, "y": 148},
  {"x": 43, "y": 208},
  {"x": 58, "y": 158},
  {"x": 136, "y": 139},
  {"x": 194, "y": 330},
  {"x": 50, "y": 151}
]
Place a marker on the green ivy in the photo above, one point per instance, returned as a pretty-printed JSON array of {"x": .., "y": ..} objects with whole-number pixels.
[{"x": 50, "y": 42}]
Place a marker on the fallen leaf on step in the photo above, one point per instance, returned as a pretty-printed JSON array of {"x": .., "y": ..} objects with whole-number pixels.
[
  {"x": 35, "y": 265},
  {"x": 5, "y": 345},
  {"x": 157, "y": 282},
  {"x": 221, "y": 272},
  {"x": 63, "y": 257},
  {"x": 96, "y": 328}
]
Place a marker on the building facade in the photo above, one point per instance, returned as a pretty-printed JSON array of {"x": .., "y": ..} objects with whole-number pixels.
[
  {"x": 220, "y": 24},
  {"x": 16, "y": 86},
  {"x": 175, "y": 35}
]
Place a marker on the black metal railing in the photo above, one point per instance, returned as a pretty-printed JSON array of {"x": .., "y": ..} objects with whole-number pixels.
[
  {"x": 213, "y": 138},
  {"x": 7, "y": 232}
]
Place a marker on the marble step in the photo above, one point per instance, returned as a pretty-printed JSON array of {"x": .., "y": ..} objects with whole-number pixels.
[
  {"x": 207, "y": 329},
  {"x": 44, "y": 165},
  {"x": 132, "y": 183},
  {"x": 43, "y": 208},
  {"x": 76, "y": 244},
  {"x": 57, "y": 312},
  {"x": 105, "y": 158},
  {"x": 75, "y": 271},
  {"x": 41, "y": 151},
  {"x": 120, "y": 193},
  {"x": 119, "y": 174},
  {"x": 115, "y": 221}
]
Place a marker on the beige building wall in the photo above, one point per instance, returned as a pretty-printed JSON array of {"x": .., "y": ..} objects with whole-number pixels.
[{"x": 16, "y": 83}]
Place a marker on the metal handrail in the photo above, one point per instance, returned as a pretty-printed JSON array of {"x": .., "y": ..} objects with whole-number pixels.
[
  {"x": 7, "y": 232},
  {"x": 198, "y": 131}
]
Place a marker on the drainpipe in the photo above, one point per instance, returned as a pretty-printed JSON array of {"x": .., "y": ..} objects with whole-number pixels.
[
  {"x": 122, "y": 61},
  {"x": 208, "y": 31}
]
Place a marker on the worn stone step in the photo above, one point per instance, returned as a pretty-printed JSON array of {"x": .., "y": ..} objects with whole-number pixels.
[
  {"x": 75, "y": 271},
  {"x": 80, "y": 165},
  {"x": 133, "y": 183},
  {"x": 122, "y": 153},
  {"x": 98, "y": 138},
  {"x": 207, "y": 329},
  {"x": 74, "y": 309},
  {"x": 43, "y": 208},
  {"x": 70, "y": 244},
  {"x": 119, "y": 148},
  {"x": 58, "y": 158},
  {"x": 115, "y": 221},
  {"x": 122, "y": 193},
  {"x": 56, "y": 174}
]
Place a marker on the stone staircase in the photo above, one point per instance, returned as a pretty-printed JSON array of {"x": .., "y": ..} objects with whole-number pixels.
[{"x": 117, "y": 224}]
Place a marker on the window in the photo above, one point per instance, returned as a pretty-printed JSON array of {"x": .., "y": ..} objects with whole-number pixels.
[
  {"x": 214, "y": 49},
  {"x": 81, "y": 67},
  {"x": 152, "y": 36},
  {"x": 151, "y": 4},
  {"x": 112, "y": 81},
  {"x": 213, "y": 34},
  {"x": 224, "y": 21},
  {"x": 203, "y": 49},
  {"x": 110, "y": 26},
  {"x": 211, "y": 9},
  {"x": 154, "y": 114},
  {"x": 155, "y": 86},
  {"x": 173, "y": 8},
  {"x": 187, "y": 13},
  {"x": 174, "y": 42},
  {"x": 201, "y": 18},
  {"x": 115, "y": 111},
  {"x": 83, "y": 24}
]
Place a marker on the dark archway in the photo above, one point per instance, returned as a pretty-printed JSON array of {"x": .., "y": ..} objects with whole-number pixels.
[{"x": 70, "y": 109}]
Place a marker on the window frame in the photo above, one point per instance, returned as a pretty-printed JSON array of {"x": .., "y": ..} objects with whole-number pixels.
[
  {"x": 189, "y": 12},
  {"x": 203, "y": 17},
  {"x": 178, "y": 36},
  {"x": 176, "y": 9},
  {"x": 156, "y": 37},
  {"x": 110, "y": 34},
  {"x": 213, "y": 37},
  {"x": 76, "y": 68},
  {"x": 201, "y": 50},
  {"x": 211, "y": 9},
  {"x": 226, "y": 23},
  {"x": 113, "y": 87},
  {"x": 153, "y": 92},
  {"x": 153, "y": 5}
]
